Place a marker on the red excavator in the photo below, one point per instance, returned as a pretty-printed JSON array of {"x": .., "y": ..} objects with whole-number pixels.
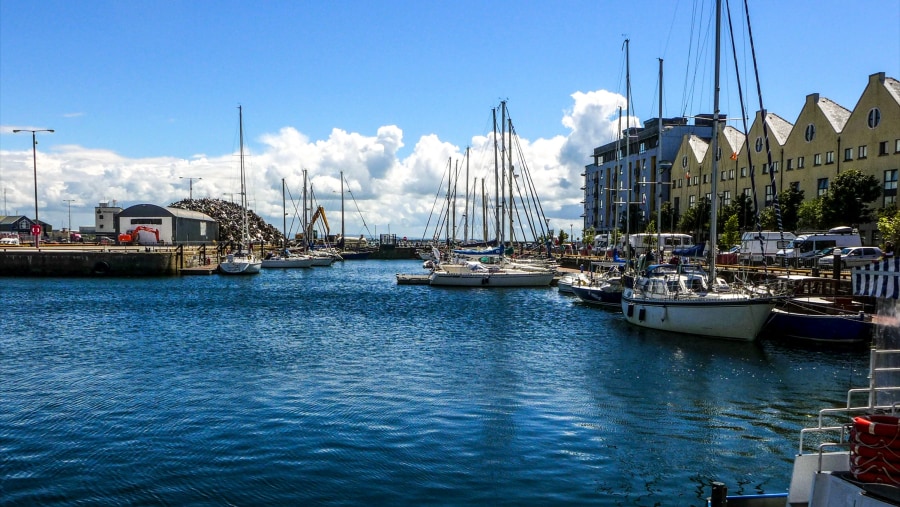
[{"x": 133, "y": 236}]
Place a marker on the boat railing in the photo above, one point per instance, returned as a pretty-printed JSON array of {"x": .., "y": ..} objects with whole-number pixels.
[{"x": 836, "y": 421}]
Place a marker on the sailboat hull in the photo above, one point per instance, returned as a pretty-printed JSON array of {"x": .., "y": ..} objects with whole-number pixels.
[
  {"x": 718, "y": 316},
  {"x": 518, "y": 279},
  {"x": 240, "y": 265}
]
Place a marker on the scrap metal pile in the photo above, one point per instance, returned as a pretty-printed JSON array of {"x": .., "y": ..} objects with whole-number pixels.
[{"x": 228, "y": 215}]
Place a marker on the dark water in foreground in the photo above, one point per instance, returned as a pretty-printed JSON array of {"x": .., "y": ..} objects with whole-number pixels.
[{"x": 337, "y": 386}]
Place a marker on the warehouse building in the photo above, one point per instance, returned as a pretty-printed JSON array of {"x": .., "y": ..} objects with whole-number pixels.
[{"x": 148, "y": 224}]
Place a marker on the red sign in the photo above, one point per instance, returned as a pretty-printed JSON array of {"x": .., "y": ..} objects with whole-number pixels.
[{"x": 36, "y": 230}]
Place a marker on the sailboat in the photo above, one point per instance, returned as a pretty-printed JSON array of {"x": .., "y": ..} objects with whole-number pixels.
[
  {"x": 681, "y": 301},
  {"x": 285, "y": 258},
  {"x": 463, "y": 271},
  {"x": 242, "y": 262}
]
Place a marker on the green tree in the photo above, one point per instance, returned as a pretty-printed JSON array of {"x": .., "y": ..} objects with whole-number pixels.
[
  {"x": 696, "y": 220},
  {"x": 846, "y": 201},
  {"x": 809, "y": 214},
  {"x": 731, "y": 232},
  {"x": 741, "y": 207},
  {"x": 589, "y": 234},
  {"x": 789, "y": 200},
  {"x": 669, "y": 217},
  {"x": 889, "y": 225}
]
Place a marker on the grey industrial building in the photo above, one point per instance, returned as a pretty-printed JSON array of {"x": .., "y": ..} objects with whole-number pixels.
[{"x": 173, "y": 225}]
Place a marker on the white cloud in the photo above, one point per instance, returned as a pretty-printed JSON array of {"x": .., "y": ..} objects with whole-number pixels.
[{"x": 387, "y": 189}]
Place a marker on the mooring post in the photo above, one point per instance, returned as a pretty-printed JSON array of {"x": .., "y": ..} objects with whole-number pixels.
[{"x": 719, "y": 492}]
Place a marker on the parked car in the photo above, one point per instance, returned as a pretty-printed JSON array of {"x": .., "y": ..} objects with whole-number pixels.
[{"x": 852, "y": 256}]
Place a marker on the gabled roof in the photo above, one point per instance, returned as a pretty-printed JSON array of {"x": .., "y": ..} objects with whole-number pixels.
[
  {"x": 893, "y": 87},
  {"x": 779, "y": 127},
  {"x": 836, "y": 114},
  {"x": 735, "y": 139},
  {"x": 698, "y": 147}
]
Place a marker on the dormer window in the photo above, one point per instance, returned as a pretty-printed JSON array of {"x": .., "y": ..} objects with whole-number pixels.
[{"x": 810, "y": 133}]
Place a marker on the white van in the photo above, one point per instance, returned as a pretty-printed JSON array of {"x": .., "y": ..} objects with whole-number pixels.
[
  {"x": 807, "y": 247},
  {"x": 761, "y": 246},
  {"x": 642, "y": 243},
  {"x": 9, "y": 241}
]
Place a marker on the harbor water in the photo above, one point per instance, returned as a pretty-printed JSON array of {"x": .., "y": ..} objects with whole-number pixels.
[{"x": 336, "y": 386}]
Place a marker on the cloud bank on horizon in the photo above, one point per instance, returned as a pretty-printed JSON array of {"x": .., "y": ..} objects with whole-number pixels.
[{"x": 392, "y": 194}]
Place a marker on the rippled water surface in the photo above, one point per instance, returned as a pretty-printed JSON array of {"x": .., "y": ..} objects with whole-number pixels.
[{"x": 337, "y": 386}]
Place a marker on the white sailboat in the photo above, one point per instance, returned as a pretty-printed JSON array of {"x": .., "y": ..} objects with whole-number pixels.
[
  {"x": 704, "y": 307},
  {"x": 242, "y": 262},
  {"x": 285, "y": 258},
  {"x": 501, "y": 272}
]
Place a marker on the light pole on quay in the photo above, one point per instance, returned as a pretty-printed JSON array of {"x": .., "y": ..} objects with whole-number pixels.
[
  {"x": 190, "y": 185},
  {"x": 35, "y": 229},
  {"x": 69, "y": 202}
]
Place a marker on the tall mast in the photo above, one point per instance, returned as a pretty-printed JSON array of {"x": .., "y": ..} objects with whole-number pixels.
[
  {"x": 343, "y": 236},
  {"x": 244, "y": 226},
  {"x": 466, "y": 215},
  {"x": 496, "y": 179},
  {"x": 284, "y": 213},
  {"x": 714, "y": 199},
  {"x": 509, "y": 149},
  {"x": 659, "y": 150},
  {"x": 628, "y": 146},
  {"x": 449, "y": 181},
  {"x": 502, "y": 193},
  {"x": 306, "y": 238},
  {"x": 618, "y": 183}
]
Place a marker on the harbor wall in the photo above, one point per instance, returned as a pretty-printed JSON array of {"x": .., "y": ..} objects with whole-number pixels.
[{"x": 87, "y": 263}]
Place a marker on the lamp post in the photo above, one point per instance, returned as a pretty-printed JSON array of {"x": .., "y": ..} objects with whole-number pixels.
[
  {"x": 35, "y": 229},
  {"x": 69, "y": 203},
  {"x": 190, "y": 185}
]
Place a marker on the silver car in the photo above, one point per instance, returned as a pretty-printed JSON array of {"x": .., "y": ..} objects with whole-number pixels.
[{"x": 852, "y": 256}]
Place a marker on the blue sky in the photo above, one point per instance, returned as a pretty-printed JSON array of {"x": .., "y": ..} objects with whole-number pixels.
[{"x": 141, "y": 93}]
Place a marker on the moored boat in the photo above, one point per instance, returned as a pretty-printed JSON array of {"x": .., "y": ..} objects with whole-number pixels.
[{"x": 241, "y": 262}]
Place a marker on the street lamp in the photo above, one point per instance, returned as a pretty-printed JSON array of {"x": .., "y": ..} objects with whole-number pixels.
[
  {"x": 69, "y": 202},
  {"x": 190, "y": 185},
  {"x": 35, "y": 230}
]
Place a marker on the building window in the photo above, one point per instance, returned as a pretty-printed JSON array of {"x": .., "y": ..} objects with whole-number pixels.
[
  {"x": 817, "y": 159},
  {"x": 692, "y": 200},
  {"x": 874, "y": 117},
  {"x": 684, "y": 161},
  {"x": 829, "y": 157},
  {"x": 775, "y": 167},
  {"x": 810, "y": 133},
  {"x": 697, "y": 180},
  {"x": 770, "y": 195},
  {"x": 897, "y": 146},
  {"x": 882, "y": 148},
  {"x": 848, "y": 154},
  {"x": 731, "y": 174},
  {"x": 705, "y": 179},
  {"x": 726, "y": 198},
  {"x": 765, "y": 168},
  {"x": 743, "y": 172},
  {"x": 723, "y": 175},
  {"x": 821, "y": 187},
  {"x": 862, "y": 152},
  {"x": 759, "y": 144},
  {"x": 643, "y": 146},
  {"x": 790, "y": 164},
  {"x": 795, "y": 185},
  {"x": 890, "y": 187},
  {"x": 801, "y": 162}
]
